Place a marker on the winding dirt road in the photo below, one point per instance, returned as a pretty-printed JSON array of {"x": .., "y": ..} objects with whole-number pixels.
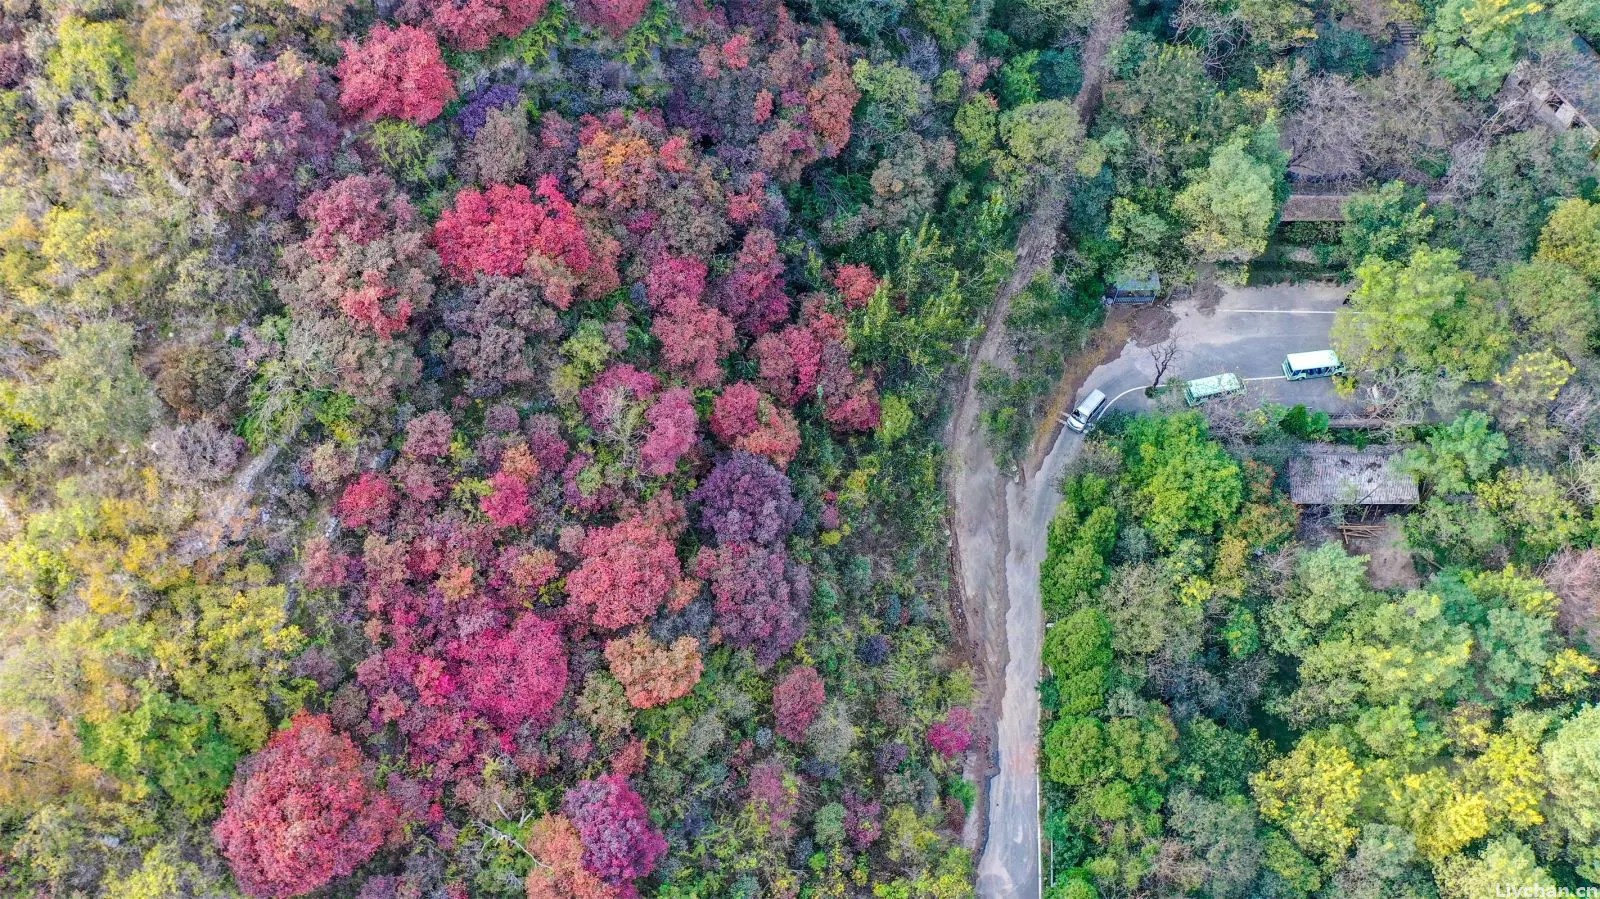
[
  {"x": 986, "y": 533},
  {"x": 999, "y": 533}
]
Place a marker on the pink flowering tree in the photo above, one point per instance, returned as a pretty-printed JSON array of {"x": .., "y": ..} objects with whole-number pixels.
[{"x": 674, "y": 428}]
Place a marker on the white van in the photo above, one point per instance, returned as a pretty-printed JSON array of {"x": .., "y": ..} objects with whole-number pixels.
[
  {"x": 1321, "y": 364},
  {"x": 1081, "y": 417}
]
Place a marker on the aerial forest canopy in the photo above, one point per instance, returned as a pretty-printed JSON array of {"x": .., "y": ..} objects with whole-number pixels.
[{"x": 493, "y": 447}]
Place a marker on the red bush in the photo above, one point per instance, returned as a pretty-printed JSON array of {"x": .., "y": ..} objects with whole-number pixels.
[
  {"x": 368, "y": 501},
  {"x": 628, "y": 571},
  {"x": 694, "y": 340},
  {"x": 398, "y": 73},
  {"x": 614, "y": 17},
  {"x": 951, "y": 735},
  {"x": 301, "y": 812},
  {"x": 796, "y": 700},
  {"x": 856, "y": 284},
  {"x": 495, "y": 232},
  {"x": 248, "y": 128},
  {"x": 753, "y": 295},
  {"x": 743, "y": 418},
  {"x": 471, "y": 24}
]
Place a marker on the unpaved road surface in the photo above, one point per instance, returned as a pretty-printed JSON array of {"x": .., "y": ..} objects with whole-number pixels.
[
  {"x": 1248, "y": 331},
  {"x": 981, "y": 533}
]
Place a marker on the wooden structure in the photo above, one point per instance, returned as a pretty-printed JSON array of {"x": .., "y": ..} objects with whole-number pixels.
[
  {"x": 1568, "y": 99},
  {"x": 1310, "y": 206},
  {"x": 1313, "y": 208},
  {"x": 1328, "y": 475}
]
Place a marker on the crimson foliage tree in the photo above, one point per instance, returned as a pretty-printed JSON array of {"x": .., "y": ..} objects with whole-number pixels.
[
  {"x": 614, "y": 17},
  {"x": 247, "y": 128},
  {"x": 302, "y": 812},
  {"x": 396, "y": 72},
  {"x": 510, "y": 230},
  {"x": 796, "y": 700},
  {"x": 628, "y": 571},
  {"x": 471, "y": 24},
  {"x": 674, "y": 428},
  {"x": 619, "y": 842},
  {"x": 516, "y": 677}
]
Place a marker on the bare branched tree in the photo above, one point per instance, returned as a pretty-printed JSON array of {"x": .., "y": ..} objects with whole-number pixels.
[
  {"x": 1330, "y": 135},
  {"x": 1164, "y": 354}
]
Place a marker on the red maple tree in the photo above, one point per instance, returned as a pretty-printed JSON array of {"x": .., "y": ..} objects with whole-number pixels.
[
  {"x": 396, "y": 73},
  {"x": 302, "y": 812}
]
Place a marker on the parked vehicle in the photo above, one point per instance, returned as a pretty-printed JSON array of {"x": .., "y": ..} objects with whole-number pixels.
[
  {"x": 1201, "y": 389},
  {"x": 1320, "y": 364},
  {"x": 1133, "y": 291},
  {"x": 1083, "y": 416}
]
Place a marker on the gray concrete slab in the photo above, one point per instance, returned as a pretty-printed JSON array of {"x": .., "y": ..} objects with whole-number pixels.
[{"x": 1247, "y": 332}]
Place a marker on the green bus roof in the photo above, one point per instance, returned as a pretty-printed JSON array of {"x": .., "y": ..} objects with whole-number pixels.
[{"x": 1201, "y": 388}]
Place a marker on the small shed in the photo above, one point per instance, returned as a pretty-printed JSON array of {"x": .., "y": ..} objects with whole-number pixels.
[
  {"x": 1569, "y": 98},
  {"x": 1133, "y": 291},
  {"x": 1327, "y": 475}
]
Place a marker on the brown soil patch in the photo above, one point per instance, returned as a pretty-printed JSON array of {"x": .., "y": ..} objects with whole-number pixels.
[{"x": 1389, "y": 562}]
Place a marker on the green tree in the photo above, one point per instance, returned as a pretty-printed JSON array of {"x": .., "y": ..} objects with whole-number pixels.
[
  {"x": 1312, "y": 794},
  {"x": 91, "y": 60},
  {"x": 1077, "y": 651},
  {"x": 1532, "y": 504},
  {"x": 1505, "y": 866},
  {"x": 1074, "y": 750},
  {"x": 1554, "y": 304},
  {"x": 92, "y": 397},
  {"x": 165, "y": 748},
  {"x": 1474, "y": 43},
  {"x": 1230, "y": 206},
  {"x": 1457, "y": 455},
  {"x": 1389, "y": 223},
  {"x": 1424, "y": 313},
  {"x": 1043, "y": 139},
  {"x": 1185, "y": 484},
  {"x": 1572, "y": 237},
  {"x": 1572, "y": 767}
]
